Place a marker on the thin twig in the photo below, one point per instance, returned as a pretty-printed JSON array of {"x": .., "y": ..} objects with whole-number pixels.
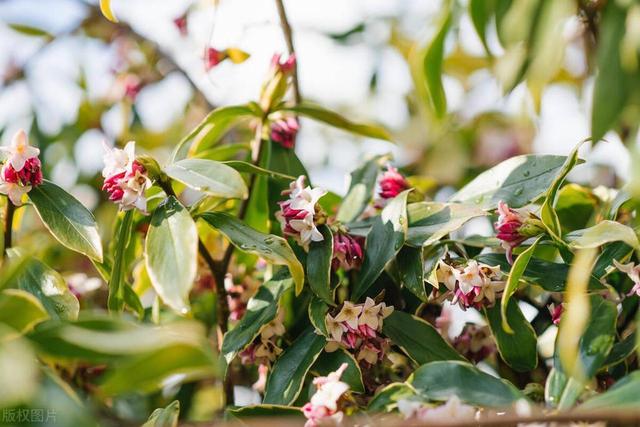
[{"x": 288, "y": 37}]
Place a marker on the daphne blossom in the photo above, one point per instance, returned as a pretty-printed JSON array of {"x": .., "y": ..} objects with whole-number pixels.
[
  {"x": 633, "y": 271},
  {"x": 391, "y": 184},
  {"x": 471, "y": 285},
  {"x": 284, "y": 131},
  {"x": 347, "y": 251},
  {"x": 514, "y": 227},
  {"x": 126, "y": 180},
  {"x": 475, "y": 342},
  {"x": 357, "y": 327},
  {"x": 298, "y": 214},
  {"x": 264, "y": 349},
  {"x": 324, "y": 405},
  {"x": 22, "y": 169}
]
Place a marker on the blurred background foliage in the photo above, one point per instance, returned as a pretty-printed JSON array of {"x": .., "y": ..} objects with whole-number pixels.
[{"x": 462, "y": 85}]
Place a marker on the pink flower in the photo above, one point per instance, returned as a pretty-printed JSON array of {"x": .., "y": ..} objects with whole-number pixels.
[
  {"x": 297, "y": 215},
  {"x": 213, "y": 57},
  {"x": 347, "y": 251},
  {"x": 126, "y": 179},
  {"x": 392, "y": 183},
  {"x": 471, "y": 285},
  {"x": 181, "y": 24},
  {"x": 237, "y": 305},
  {"x": 324, "y": 405},
  {"x": 284, "y": 131},
  {"x": 513, "y": 228},
  {"x": 556, "y": 313},
  {"x": 22, "y": 169},
  {"x": 475, "y": 342},
  {"x": 285, "y": 66}
]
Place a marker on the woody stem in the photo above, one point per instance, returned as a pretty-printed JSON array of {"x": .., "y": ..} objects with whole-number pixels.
[{"x": 8, "y": 224}]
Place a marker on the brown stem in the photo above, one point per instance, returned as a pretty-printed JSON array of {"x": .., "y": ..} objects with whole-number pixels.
[
  {"x": 288, "y": 37},
  {"x": 8, "y": 224}
]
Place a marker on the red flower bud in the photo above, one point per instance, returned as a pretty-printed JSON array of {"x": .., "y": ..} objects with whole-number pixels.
[
  {"x": 392, "y": 183},
  {"x": 181, "y": 24},
  {"x": 213, "y": 57},
  {"x": 347, "y": 251},
  {"x": 284, "y": 131}
]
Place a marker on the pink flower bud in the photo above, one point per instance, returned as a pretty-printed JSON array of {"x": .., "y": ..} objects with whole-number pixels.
[
  {"x": 284, "y": 131},
  {"x": 283, "y": 66},
  {"x": 513, "y": 228},
  {"x": 213, "y": 57},
  {"x": 181, "y": 24},
  {"x": 556, "y": 313},
  {"x": 392, "y": 183},
  {"x": 30, "y": 174},
  {"x": 347, "y": 251}
]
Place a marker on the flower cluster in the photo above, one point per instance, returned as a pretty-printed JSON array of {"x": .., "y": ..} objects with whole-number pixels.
[
  {"x": 324, "y": 407},
  {"x": 475, "y": 342},
  {"x": 298, "y": 215},
  {"x": 284, "y": 131},
  {"x": 453, "y": 410},
  {"x": 391, "y": 184},
  {"x": 125, "y": 179},
  {"x": 356, "y": 327},
  {"x": 513, "y": 228},
  {"x": 22, "y": 169},
  {"x": 347, "y": 251},
  {"x": 633, "y": 271},
  {"x": 472, "y": 285},
  {"x": 264, "y": 350}
]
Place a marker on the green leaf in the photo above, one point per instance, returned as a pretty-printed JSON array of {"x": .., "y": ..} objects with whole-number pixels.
[
  {"x": 518, "y": 269},
  {"x": 519, "y": 349},
  {"x": 619, "y": 251},
  {"x": 246, "y": 167},
  {"x": 441, "y": 380},
  {"x": 602, "y": 233},
  {"x": 212, "y": 127},
  {"x": 330, "y": 362},
  {"x": 613, "y": 84},
  {"x": 21, "y": 310},
  {"x": 171, "y": 253},
  {"x": 272, "y": 248},
  {"x": 317, "y": 314},
  {"x": 150, "y": 372},
  {"x": 319, "y": 266},
  {"x": 30, "y": 31},
  {"x": 517, "y": 181},
  {"x": 263, "y": 411},
  {"x": 323, "y": 115},
  {"x": 625, "y": 394},
  {"x": 417, "y": 338},
  {"x": 623, "y": 349},
  {"x": 213, "y": 178},
  {"x": 410, "y": 270},
  {"x": 117, "y": 276},
  {"x": 261, "y": 309},
  {"x": 287, "y": 375},
  {"x": 480, "y": 12},
  {"x": 363, "y": 181},
  {"x": 67, "y": 219},
  {"x": 49, "y": 287},
  {"x": 432, "y": 63},
  {"x": 575, "y": 206},
  {"x": 385, "y": 239},
  {"x": 431, "y": 221},
  {"x": 385, "y": 400},
  {"x": 164, "y": 417}
]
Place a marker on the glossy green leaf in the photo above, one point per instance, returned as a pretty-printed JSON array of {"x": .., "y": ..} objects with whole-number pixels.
[
  {"x": 331, "y": 118},
  {"x": 481, "y": 12},
  {"x": 417, "y": 338},
  {"x": 264, "y": 411},
  {"x": 516, "y": 273},
  {"x": 262, "y": 308},
  {"x": 317, "y": 314},
  {"x": 21, "y": 310},
  {"x": 319, "y": 266},
  {"x": 385, "y": 400},
  {"x": 431, "y": 221},
  {"x": 50, "y": 288},
  {"x": 164, "y": 417},
  {"x": 622, "y": 349},
  {"x": 624, "y": 395},
  {"x": 516, "y": 181},
  {"x": 117, "y": 277},
  {"x": 619, "y": 251},
  {"x": 272, "y": 248},
  {"x": 613, "y": 84},
  {"x": 171, "y": 253},
  {"x": 330, "y": 362},
  {"x": 432, "y": 66},
  {"x": 287, "y": 375},
  {"x": 383, "y": 242},
  {"x": 67, "y": 219},
  {"x": 410, "y": 270},
  {"x": 363, "y": 181},
  {"x": 517, "y": 349},
  {"x": 441, "y": 380},
  {"x": 213, "y": 178},
  {"x": 575, "y": 206},
  {"x": 602, "y": 233},
  {"x": 246, "y": 167},
  {"x": 28, "y": 30}
]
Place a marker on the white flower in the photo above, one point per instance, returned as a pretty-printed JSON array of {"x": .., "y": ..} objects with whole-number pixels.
[
  {"x": 19, "y": 151},
  {"x": 633, "y": 271},
  {"x": 330, "y": 389},
  {"x": 453, "y": 410},
  {"x": 334, "y": 328},
  {"x": 133, "y": 191},
  {"x": 275, "y": 328},
  {"x": 409, "y": 408},
  {"x": 306, "y": 199},
  {"x": 15, "y": 191},
  {"x": 369, "y": 314},
  {"x": 369, "y": 354},
  {"x": 117, "y": 160},
  {"x": 349, "y": 314},
  {"x": 82, "y": 284},
  {"x": 470, "y": 277},
  {"x": 446, "y": 275},
  {"x": 307, "y": 230}
]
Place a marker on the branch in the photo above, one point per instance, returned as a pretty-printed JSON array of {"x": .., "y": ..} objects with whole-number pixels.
[
  {"x": 288, "y": 37},
  {"x": 8, "y": 224}
]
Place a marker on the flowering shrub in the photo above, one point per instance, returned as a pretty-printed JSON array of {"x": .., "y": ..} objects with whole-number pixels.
[{"x": 229, "y": 272}]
